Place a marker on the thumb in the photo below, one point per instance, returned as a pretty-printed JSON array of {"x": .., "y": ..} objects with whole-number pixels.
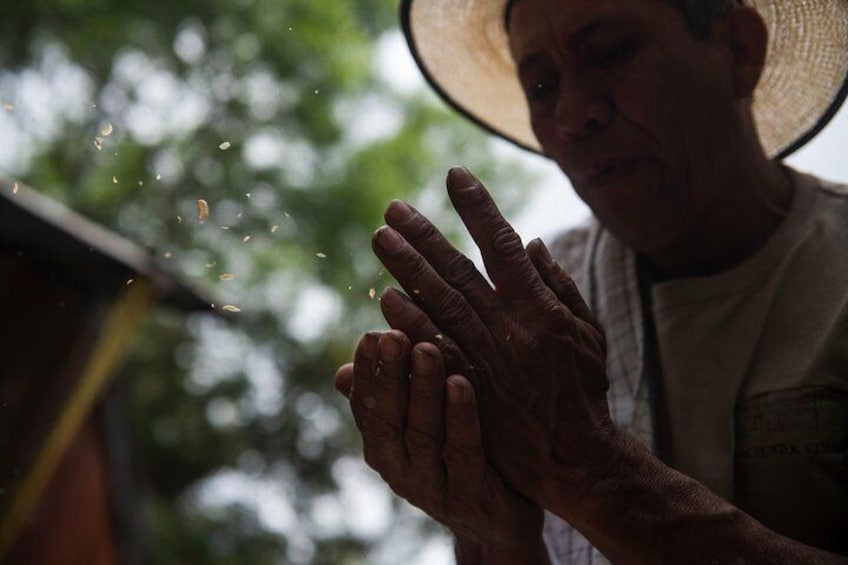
[{"x": 343, "y": 380}]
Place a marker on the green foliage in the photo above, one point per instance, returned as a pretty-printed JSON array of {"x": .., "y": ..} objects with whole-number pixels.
[{"x": 319, "y": 143}]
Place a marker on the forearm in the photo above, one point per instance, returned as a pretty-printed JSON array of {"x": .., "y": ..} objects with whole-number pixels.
[
  {"x": 637, "y": 510},
  {"x": 473, "y": 553}
]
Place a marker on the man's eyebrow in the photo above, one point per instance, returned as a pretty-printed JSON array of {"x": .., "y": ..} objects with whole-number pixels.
[
  {"x": 578, "y": 37},
  {"x": 594, "y": 27}
]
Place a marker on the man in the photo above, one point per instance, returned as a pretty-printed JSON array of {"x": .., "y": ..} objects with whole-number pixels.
[{"x": 693, "y": 407}]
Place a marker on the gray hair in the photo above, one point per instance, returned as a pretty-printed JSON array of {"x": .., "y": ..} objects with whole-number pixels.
[{"x": 699, "y": 14}]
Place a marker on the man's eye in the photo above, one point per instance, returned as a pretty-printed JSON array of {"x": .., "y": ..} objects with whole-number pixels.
[{"x": 540, "y": 89}]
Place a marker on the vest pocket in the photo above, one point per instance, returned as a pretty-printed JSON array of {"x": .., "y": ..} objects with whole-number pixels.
[{"x": 791, "y": 464}]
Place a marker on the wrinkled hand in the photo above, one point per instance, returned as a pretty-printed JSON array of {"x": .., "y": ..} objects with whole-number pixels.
[
  {"x": 420, "y": 432},
  {"x": 530, "y": 346}
]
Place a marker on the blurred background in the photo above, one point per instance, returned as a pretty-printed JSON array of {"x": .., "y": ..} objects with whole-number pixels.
[{"x": 296, "y": 121}]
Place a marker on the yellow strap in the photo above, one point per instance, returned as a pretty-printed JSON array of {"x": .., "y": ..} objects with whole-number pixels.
[{"x": 123, "y": 318}]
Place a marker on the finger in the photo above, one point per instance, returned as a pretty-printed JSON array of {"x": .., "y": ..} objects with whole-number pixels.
[
  {"x": 425, "y": 426},
  {"x": 382, "y": 432},
  {"x": 463, "y": 455},
  {"x": 392, "y": 379},
  {"x": 402, "y": 314},
  {"x": 559, "y": 282},
  {"x": 380, "y": 440},
  {"x": 362, "y": 399},
  {"x": 503, "y": 253},
  {"x": 343, "y": 380},
  {"x": 445, "y": 306},
  {"x": 454, "y": 267}
]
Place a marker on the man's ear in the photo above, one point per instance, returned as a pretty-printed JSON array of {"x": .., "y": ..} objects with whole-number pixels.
[{"x": 748, "y": 44}]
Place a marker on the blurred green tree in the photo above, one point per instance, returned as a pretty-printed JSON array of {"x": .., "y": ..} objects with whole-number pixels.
[{"x": 288, "y": 118}]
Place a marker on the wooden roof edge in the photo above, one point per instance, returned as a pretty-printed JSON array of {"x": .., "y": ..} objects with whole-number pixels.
[{"x": 110, "y": 246}]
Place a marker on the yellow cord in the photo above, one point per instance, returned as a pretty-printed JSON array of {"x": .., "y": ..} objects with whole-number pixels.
[{"x": 112, "y": 341}]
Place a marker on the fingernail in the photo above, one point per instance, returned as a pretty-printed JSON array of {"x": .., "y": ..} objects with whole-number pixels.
[
  {"x": 460, "y": 178},
  {"x": 392, "y": 300},
  {"x": 545, "y": 253},
  {"x": 425, "y": 361},
  {"x": 389, "y": 239},
  {"x": 369, "y": 344},
  {"x": 456, "y": 391},
  {"x": 398, "y": 212},
  {"x": 390, "y": 348}
]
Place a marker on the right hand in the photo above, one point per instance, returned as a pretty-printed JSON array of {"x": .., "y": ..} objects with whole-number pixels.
[
  {"x": 527, "y": 342},
  {"x": 421, "y": 434}
]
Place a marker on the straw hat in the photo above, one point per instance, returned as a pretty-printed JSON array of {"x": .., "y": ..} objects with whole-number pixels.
[{"x": 461, "y": 47}]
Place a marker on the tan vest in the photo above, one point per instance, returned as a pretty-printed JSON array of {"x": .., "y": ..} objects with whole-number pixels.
[
  {"x": 754, "y": 363},
  {"x": 755, "y": 370}
]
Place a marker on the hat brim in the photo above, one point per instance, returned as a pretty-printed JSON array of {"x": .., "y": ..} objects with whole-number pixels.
[{"x": 462, "y": 49}]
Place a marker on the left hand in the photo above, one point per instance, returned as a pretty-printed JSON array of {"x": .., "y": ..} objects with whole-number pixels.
[
  {"x": 420, "y": 431},
  {"x": 530, "y": 346}
]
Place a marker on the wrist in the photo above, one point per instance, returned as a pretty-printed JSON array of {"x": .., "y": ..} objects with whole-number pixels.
[{"x": 575, "y": 482}]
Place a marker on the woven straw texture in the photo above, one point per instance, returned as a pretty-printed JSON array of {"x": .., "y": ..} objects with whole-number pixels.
[{"x": 461, "y": 46}]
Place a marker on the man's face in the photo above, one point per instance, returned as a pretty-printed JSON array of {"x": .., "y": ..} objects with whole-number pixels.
[{"x": 635, "y": 110}]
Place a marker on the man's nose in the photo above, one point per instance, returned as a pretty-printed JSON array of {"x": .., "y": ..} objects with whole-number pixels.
[{"x": 582, "y": 108}]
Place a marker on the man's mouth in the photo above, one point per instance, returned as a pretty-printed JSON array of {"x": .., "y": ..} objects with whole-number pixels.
[{"x": 609, "y": 171}]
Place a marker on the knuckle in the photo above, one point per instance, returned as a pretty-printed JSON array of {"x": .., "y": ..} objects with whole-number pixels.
[
  {"x": 559, "y": 321},
  {"x": 415, "y": 320},
  {"x": 421, "y": 328},
  {"x": 420, "y": 442},
  {"x": 417, "y": 268},
  {"x": 556, "y": 314},
  {"x": 452, "y": 306},
  {"x": 567, "y": 344},
  {"x": 459, "y": 270},
  {"x": 505, "y": 241},
  {"x": 423, "y": 230},
  {"x": 475, "y": 194},
  {"x": 456, "y": 456}
]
